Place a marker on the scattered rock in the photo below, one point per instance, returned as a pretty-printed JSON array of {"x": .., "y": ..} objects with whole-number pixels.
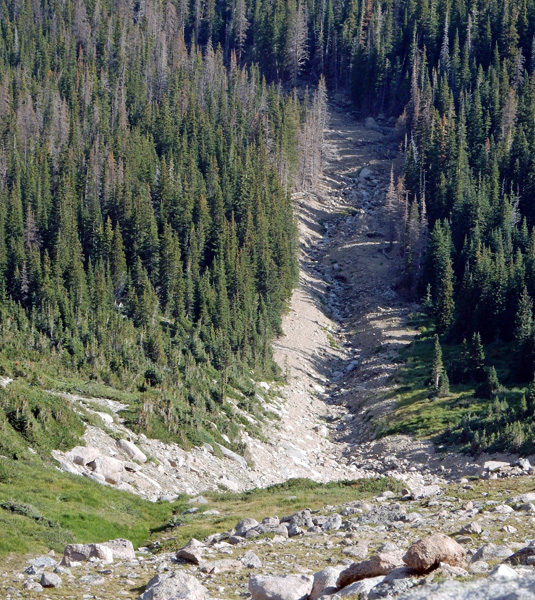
[
  {"x": 43, "y": 561},
  {"x": 198, "y": 500},
  {"x": 471, "y": 528},
  {"x": 417, "y": 492},
  {"x": 92, "y": 580},
  {"x": 221, "y": 566},
  {"x": 525, "y": 556},
  {"x": 429, "y": 552},
  {"x": 503, "y": 572},
  {"x": 490, "y": 588},
  {"x": 360, "y": 589},
  {"x": 233, "y": 456}
]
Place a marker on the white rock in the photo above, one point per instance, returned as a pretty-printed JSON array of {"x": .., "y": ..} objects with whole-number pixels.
[
  {"x": 288, "y": 587},
  {"x": 175, "y": 586},
  {"x": 503, "y": 572},
  {"x": 82, "y": 455},
  {"x": 110, "y": 468},
  {"x": 132, "y": 450},
  {"x": 121, "y": 549},
  {"x": 325, "y": 582}
]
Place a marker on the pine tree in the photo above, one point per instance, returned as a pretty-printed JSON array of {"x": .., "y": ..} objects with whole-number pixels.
[{"x": 437, "y": 369}]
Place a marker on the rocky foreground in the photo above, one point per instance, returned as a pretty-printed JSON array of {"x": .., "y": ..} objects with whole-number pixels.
[{"x": 417, "y": 543}]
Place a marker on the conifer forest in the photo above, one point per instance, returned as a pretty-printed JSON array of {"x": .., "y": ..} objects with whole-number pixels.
[{"x": 149, "y": 150}]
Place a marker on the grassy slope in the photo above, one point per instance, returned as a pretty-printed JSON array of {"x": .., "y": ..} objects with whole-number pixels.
[
  {"x": 42, "y": 508},
  {"x": 417, "y": 412}
]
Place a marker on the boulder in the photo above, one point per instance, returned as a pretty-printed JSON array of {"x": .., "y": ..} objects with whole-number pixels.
[
  {"x": 360, "y": 589},
  {"x": 365, "y": 173},
  {"x": 325, "y": 582},
  {"x": 214, "y": 567},
  {"x": 287, "y": 587},
  {"x": 472, "y": 527},
  {"x": 503, "y": 572},
  {"x": 50, "y": 580},
  {"x": 429, "y": 552},
  {"x": 110, "y": 468},
  {"x": 418, "y": 492},
  {"x": 132, "y": 451},
  {"x": 251, "y": 560},
  {"x": 380, "y": 564},
  {"x": 332, "y": 523},
  {"x": 121, "y": 549},
  {"x": 491, "y": 552},
  {"x": 244, "y": 525},
  {"x": 191, "y": 552},
  {"x": 177, "y": 585},
  {"x": 83, "y": 552},
  {"x": 523, "y": 498},
  {"x": 524, "y": 556},
  {"x": 82, "y": 455},
  {"x": 488, "y": 588},
  {"x": 198, "y": 500}
]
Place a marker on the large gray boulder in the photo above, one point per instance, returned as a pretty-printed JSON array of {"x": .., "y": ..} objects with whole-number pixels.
[
  {"x": 245, "y": 525},
  {"x": 490, "y": 588},
  {"x": 174, "y": 586},
  {"x": 325, "y": 582},
  {"x": 192, "y": 552},
  {"x": 122, "y": 549},
  {"x": 288, "y": 587},
  {"x": 83, "y": 552},
  {"x": 50, "y": 580},
  {"x": 491, "y": 552},
  {"x": 82, "y": 455},
  {"x": 110, "y": 468}
]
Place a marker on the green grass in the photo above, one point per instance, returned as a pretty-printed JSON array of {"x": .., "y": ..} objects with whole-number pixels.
[
  {"x": 418, "y": 412},
  {"x": 42, "y": 508},
  {"x": 281, "y": 500}
]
